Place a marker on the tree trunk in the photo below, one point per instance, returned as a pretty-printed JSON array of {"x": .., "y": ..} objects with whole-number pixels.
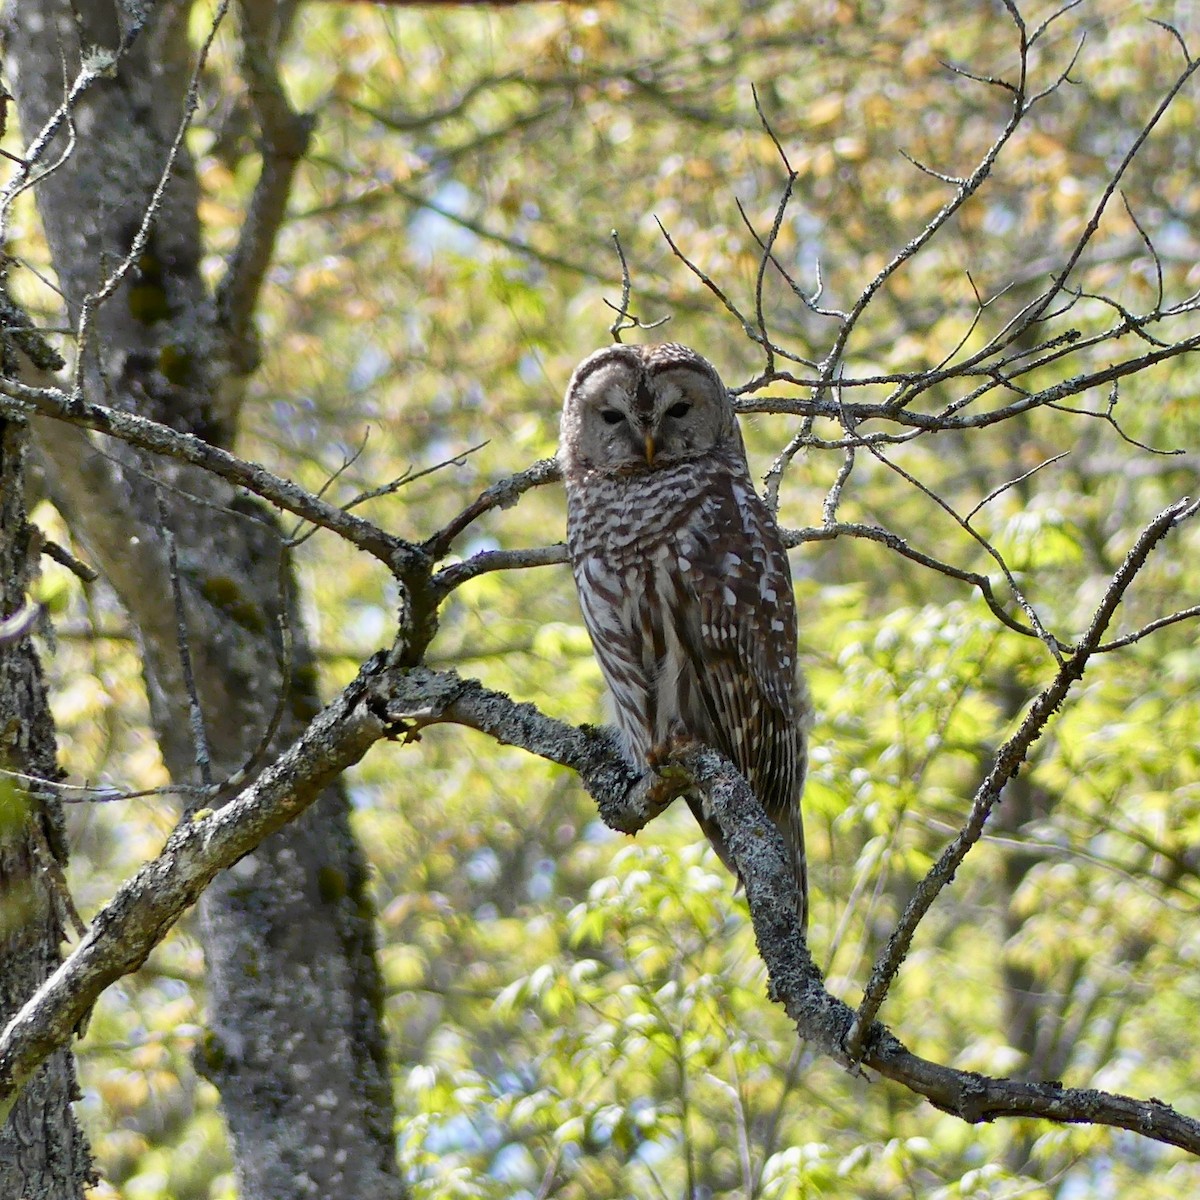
[
  {"x": 295, "y": 1041},
  {"x": 42, "y": 1150}
]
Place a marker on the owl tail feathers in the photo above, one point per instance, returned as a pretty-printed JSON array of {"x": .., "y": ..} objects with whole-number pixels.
[{"x": 792, "y": 828}]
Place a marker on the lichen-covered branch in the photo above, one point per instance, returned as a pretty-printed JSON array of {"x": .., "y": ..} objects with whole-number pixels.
[
  {"x": 386, "y": 700},
  {"x": 143, "y": 911},
  {"x": 157, "y": 438}
]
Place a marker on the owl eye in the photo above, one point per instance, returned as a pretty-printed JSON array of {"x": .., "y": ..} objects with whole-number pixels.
[
  {"x": 679, "y": 410},
  {"x": 610, "y": 416}
]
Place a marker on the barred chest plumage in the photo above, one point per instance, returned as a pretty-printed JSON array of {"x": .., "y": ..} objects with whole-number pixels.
[
  {"x": 682, "y": 575},
  {"x": 644, "y": 547},
  {"x": 632, "y": 515}
]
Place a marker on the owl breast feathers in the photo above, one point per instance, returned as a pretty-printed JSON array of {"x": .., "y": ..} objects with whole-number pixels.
[{"x": 682, "y": 576}]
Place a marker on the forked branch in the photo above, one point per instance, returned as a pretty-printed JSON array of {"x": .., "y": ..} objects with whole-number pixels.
[
  {"x": 386, "y": 701},
  {"x": 1006, "y": 763}
]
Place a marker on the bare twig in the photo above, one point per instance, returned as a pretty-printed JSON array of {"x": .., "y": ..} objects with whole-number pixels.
[
  {"x": 399, "y": 556},
  {"x": 1006, "y": 763},
  {"x": 410, "y": 476},
  {"x": 1011, "y": 483},
  {"x": 500, "y": 495},
  {"x": 93, "y": 300},
  {"x": 1150, "y": 249},
  {"x": 747, "y": 327},
  {"x": 1184, "y": 614},
  {"x": 449, "y": 578},
  {"x": 91, "y": 70},
  {"x": 1084, "y": 239},
  {"x": 61, "y": 555},
  {"x": 834, "y": 495},
  {"x": 202, "y": 757},
  {"x": 893, "y": 541},
  {"x": 623, "y": 320},
  {"x": 88, "y": 793},
  {"x": 831, "y": 365}
]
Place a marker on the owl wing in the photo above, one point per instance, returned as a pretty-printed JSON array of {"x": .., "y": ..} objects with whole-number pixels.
[
  {"x": 736, "y": 621},
  {"x": 617, "y": 624}
]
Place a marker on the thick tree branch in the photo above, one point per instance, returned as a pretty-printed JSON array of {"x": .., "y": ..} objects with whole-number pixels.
[
  {"x": 385, "y": 700},
  {"x": 427, "y": 697},
  {"x": 396, "y": 554},
  {"x": 285, "y": 136},
  {"x": 143, "y": 911}
]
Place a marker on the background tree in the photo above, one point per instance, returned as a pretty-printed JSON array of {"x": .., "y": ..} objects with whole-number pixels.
[
  {"x": 41, "y": 1141},
  {"x": 202, "y": 573},
  {"x": 567, "y": 1016}
]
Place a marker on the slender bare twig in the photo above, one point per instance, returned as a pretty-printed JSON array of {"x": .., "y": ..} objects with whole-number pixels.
[
  {"x": 89, "y": 793},
  {"x": 1151, "y": 250},
  {"x": 747, "y": 326},
  {"x": 623, "y": 320},
  {"x": 1005, "y": 764},
  {"x": 1081, "y": 243},
  {"x": 451, "y": 577},
  {"x": 92, "y": 69},
  {"x": 969, "y": 185},
  {"x": 398, "y": 555},
  {"x": 1109, "y": 418},
  {"x": 410, "y": 476},
  {"x": 200, "y": 749},
  {"x": 93, "y": 300},
  {"x": 1184, "y": 614},
  {"x": 834, "y": 495},
  {"x": 499, "y": 495},
  {"x": 1012, "y": 483},
  {"x": 61, "y": 555},
  {"x": 893, "y": 541}
]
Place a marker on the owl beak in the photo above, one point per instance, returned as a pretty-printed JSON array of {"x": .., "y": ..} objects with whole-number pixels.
[{"x": 650, "y": 449}]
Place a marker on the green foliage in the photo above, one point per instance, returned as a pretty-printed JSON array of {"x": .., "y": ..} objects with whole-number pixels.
[{"x": 576, "y": 1015}]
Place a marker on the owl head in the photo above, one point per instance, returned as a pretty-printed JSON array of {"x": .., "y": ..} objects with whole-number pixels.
[{"x": 640, "y": 408}]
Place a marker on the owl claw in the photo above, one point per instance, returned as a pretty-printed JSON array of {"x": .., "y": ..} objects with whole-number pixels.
[
  {"x": 672, "y": 779},
  {"x": 662, "y": 757}
]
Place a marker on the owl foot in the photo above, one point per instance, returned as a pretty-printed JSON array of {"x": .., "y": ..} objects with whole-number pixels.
[
  {"x": 665, "y": 754},
  {"x": 673, "y": 779}
]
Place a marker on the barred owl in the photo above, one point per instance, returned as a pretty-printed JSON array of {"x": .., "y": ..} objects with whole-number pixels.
[{"x": 682, "y": 576}]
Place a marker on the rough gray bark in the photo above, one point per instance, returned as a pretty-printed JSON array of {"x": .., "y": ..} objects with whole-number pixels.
[
  {"x": 295, "y": 1043},
  {"x": 43, "y": 1152},
  {"x": 388, "y": 700}
]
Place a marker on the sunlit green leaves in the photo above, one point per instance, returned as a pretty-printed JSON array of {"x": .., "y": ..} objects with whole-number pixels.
[{"x": 578, "y": 1015}]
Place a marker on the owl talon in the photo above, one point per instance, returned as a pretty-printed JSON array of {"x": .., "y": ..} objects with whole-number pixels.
[
  {"x": 672, "y": 779},
  {"x": 662, "y": 757},
  {"x": 683, "y": 580},
  {"x": 666, "y": 785}
]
